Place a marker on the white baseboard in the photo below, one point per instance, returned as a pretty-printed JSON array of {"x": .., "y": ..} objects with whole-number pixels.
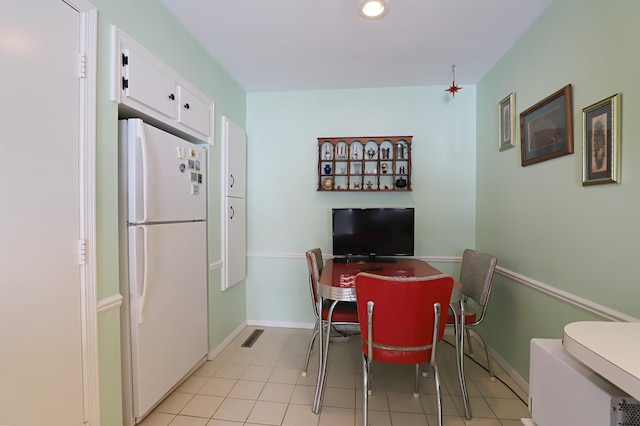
[
  {"x": 216, "y": 351},
  {"x": 497, "y": 359},
  {"x": 524, "y": 384},
  {"x": 281, "y": 324}
]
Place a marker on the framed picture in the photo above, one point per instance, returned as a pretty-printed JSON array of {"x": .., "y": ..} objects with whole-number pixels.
[
  {"x": 601, "y": 142},
  {"x": 546, "y": 129},
  {"x": 507, "y": 122}
]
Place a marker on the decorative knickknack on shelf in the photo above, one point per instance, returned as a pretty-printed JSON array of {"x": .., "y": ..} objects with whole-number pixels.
[{"x": 381, "y": 163}]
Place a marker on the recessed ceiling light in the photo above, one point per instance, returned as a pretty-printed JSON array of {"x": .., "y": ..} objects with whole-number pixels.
[{"x": 373, "y": 9}]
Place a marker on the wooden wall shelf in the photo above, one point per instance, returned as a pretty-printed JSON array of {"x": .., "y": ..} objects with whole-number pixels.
[{"x": 380, "y": 163}]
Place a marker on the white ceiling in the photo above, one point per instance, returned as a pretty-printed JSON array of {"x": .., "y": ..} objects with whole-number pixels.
[{"x": 281, "y": 45}]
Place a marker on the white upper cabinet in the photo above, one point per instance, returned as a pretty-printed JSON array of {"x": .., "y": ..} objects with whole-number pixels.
[
  {"x": 144, "y": 84},
  {"x": 193, "y": 111}
]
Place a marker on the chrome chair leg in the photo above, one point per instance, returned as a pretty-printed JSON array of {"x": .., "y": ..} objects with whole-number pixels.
[
  {"x": 305, "y": 367},
  {"x": 436, "y": 374},
  {"x": 492, "y": 376},
  {"x": 317, "y": 396},
  {"x": 324, "y": 356},
  {"x": 460, "y": 329},
  {"x": 459, "y": 349},
  {"x": 365, "y": 386},
  {"x": 469, "y": 342},
  {"x": 416, "y": 385}
]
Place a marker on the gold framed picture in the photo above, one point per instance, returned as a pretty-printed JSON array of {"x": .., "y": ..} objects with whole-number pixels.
[
  {"x": 546, "y": 129},
  {"x": 601, "y": 142},
  {"x": 507, "y": 122}
]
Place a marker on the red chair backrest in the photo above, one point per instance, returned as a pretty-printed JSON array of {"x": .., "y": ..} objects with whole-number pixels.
[{"x": 403, "y": 314}]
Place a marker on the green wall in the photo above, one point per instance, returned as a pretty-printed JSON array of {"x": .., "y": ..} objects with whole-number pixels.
[
  {"x": 539, "y": 220},
  {"x": 151, "y": 25},
  {"x": 287, "y": 216}
]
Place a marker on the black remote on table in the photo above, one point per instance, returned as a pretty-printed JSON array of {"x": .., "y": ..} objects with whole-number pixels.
[{"x": 371, "y": 268}]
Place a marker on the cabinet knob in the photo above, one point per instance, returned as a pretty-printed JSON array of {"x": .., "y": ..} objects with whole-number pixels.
[
  {"x": 186, "y": 106},
  {"x": 233, "y": 212},
  {"x": 172, "y": 96},
  {"x": 233, "y": 181}
]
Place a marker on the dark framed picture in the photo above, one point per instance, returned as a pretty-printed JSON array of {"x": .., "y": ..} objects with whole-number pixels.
[
  {"x": 601, "y": 142},
  {"x": 546, "y": 129},
  {"x": 507, "y": 122}
]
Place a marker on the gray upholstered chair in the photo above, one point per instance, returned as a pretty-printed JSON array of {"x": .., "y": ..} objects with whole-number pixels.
[
  {"x": 476, "y": 277},
  {"x": 344, "y": 313}
]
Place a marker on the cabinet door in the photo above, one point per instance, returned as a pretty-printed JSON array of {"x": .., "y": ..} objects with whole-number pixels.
[
  {"x": 234, "y": 140},
  {"x": 235, "y": 255},
  {"x": 148, "y": 85},
  {"x": 193, "y": 112}
]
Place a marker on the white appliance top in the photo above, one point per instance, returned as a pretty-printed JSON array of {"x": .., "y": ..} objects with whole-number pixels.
[{"x": 611, "y": 349}]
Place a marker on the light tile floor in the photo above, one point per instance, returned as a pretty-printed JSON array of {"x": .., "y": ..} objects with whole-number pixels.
[{"x": 262, "y": 385}]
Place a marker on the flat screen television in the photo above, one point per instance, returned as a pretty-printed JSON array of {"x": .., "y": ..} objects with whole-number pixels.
[{"x": 373, "y": 233}]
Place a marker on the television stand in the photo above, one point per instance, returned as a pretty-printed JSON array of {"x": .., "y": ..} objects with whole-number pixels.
[{"x": 364, "y": 259}]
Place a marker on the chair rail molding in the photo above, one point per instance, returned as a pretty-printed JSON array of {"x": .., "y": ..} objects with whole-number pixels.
[
  {"x": 109, "y": 303},
  {"x": 570, "y": 298},
  {"x": 564, "y": 296}
]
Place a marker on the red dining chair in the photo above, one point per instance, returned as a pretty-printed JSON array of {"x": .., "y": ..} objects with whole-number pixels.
[
  {"x": 401, "y": 321},
  {"x": 344, "y": 313}
]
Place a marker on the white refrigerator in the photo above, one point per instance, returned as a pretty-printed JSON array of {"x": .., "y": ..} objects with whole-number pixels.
[{"x": 163, "y": 215}]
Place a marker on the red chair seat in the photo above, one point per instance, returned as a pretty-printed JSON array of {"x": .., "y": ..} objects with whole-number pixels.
[
  {"x": 343, "y": 312},
  {"x": 469, "y": 315}
]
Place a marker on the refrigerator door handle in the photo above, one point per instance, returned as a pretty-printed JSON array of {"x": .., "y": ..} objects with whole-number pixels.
[
  {"x": 145, "y": 275},
  {"x": 142, "y": 138}
]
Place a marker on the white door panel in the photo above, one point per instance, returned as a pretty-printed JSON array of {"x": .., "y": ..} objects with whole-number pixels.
[
  {"x": 193, "y": 111},
  {"x": 236, "y": 241},
  {"x": 40, "y": 308},
  {"x": 149, "y": 85},
  {"x": 168, "y": 306},
  {"x": 235, "y": 149}
]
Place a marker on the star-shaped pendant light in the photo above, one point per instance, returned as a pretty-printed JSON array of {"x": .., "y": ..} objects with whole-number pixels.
[{"x": 453, "y": 89}]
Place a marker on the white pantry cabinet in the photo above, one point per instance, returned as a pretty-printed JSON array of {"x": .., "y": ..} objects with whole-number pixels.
[
  {"x": 234, "y": 170},
  {"x": 144, "y": 84}
]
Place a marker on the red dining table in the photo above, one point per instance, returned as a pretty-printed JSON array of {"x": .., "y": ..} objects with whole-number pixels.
[{"x": 337, "y": 283}]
